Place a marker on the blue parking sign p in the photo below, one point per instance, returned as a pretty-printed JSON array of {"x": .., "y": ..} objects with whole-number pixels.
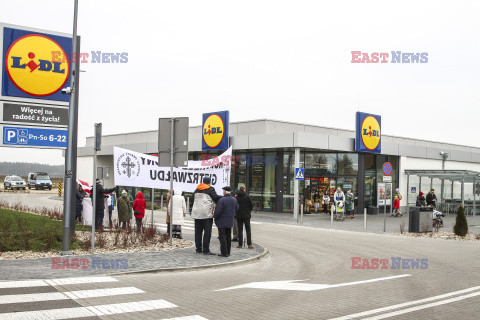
[{"x": 10, "y": 136}]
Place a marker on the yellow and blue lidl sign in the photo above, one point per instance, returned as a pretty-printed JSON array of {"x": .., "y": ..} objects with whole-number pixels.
[
  {"x": 215, "y": 130},
  {"x": 368, "y": 133},
  {"x": 35, "y": 65}
]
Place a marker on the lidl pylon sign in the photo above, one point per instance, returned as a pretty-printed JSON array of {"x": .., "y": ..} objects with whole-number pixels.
[
  {"x": 215, "y": 130},
  {"x": 35, "y": 65},
  {"x": 368, "y": 133}
]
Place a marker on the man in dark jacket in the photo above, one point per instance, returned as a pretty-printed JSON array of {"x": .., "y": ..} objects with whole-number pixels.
[
  {"x": 243, "y": 217},
  {"x": 225, "y": 210},
  {"x": 204, "y": 199},
  {"x": 100, "y": 203},
  {"x": 78, "y": 203},
  {"x": 431, "y": 198}
]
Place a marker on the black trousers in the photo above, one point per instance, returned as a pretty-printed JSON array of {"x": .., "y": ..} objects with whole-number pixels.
[
  {"x": 225, "y": 237},
  {"x": 245, "y": 222},
  {"x": 99, "y": 218},
  {"x": 203, "y": 231}
]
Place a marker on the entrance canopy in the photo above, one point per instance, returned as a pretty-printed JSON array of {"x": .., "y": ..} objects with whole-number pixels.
[{"x": 462, "y": 176}]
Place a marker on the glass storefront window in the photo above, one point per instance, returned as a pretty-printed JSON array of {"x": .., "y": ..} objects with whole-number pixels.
[
  {"x": 347, "y": 164},
  {"x": 269, "y": 190},
  {"x": 320, "y": 164}
]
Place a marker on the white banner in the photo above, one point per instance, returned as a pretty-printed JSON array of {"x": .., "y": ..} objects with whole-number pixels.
[{"x": 136, "y": 169}]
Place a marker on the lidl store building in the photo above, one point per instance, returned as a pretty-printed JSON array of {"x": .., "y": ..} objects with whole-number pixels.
[{"x": 266, "y": 153}]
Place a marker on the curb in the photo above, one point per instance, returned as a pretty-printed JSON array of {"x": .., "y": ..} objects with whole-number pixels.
[{"x": 259, "y": 257}]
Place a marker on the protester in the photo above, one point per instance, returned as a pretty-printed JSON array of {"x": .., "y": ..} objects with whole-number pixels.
[
  {"x": 111, "y": 206},
  {"x": 325, "y": 202},
  {"x": 130, "y": 207},
  {"x": 204, "y": 199},
  {"x": 316, "y": 201},
  {"x": 225, "y": 210},
  {"x": 349, "y": 203},
  {"x": 179, "y": 208},
  {"x": 78, "y": 203},
  {"x": 243, "y": 216},
  {"x": 100, "y": 203},
  {"x": 123, "y": 207},
  {"x": 420, "y": 200},
  {"x": 431, "y": 198},
  {"x": 139, "y": 206}
]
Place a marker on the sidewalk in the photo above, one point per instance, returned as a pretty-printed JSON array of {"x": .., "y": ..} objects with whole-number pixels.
[
  {"x": 375, "y": 223},
  {"x": 165, "y": 261}
]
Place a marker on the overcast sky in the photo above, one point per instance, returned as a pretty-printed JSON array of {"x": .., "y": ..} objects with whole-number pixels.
[{"x": 282, "y": 60}]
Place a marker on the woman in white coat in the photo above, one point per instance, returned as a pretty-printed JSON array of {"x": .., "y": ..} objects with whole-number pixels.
[{"x": 179, "y": 208}]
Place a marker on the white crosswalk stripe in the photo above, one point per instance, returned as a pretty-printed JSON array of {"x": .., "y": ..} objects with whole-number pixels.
[{"x": 132, "y": 293}]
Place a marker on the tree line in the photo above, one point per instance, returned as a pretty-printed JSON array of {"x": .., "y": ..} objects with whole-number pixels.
[{"x": 24, "y": 168}]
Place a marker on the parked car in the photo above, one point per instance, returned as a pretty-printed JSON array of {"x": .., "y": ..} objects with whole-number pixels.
[
  {"x": 39, "y": 180},
  {"x": 14, "y": 182}
]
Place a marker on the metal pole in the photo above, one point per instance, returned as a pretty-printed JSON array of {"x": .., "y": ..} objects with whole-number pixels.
[
  {"x": 474, "y": 197},
  {"x": 172, "y": 154},
  {"x": 385, "y": 212},
  {"x": 301, "y": 210},
  {"x": 161, "y": 202},
  {"x": 188, "y": 204},
  {"x": 391, "y": 198},
  {"x": 94, "y": 199},
  {"x": 463, "y": 192},
  {"x": 295, "y": 185},
  {"x": 70, "y": 175},
  {"x": 364, "y": 219},
  {"x": 331, "y": 217},
  {"x": 408, "y": 192},
  {"x": 419, "y": 184},
  {"x": 153, "y": 203}
]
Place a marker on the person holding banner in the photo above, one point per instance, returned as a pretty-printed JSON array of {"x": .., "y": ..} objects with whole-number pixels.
[
  {"x": 100, "y": 203},
  {"x": 204, "y": 200}
]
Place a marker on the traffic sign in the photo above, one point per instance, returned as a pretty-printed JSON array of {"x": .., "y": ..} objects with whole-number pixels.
[
  {"x": 387, "y": 178},
  {"x": 299, "y": 174},
  {"x": 387, "y": 168},
  {"x": 15, "y": 136}
]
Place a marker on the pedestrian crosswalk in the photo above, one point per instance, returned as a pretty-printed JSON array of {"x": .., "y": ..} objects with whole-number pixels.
[{"x": 11, "y": 301}]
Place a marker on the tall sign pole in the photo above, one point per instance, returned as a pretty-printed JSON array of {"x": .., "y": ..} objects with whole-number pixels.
[
  {"x": 172, "y": 156},
  {"x": 70, "y": 174},
  {"x": 96, "y": 147}
]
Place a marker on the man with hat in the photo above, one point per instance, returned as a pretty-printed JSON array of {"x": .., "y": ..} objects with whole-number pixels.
[
  {"x": 225, "y": 210},
  {"x": 100, "y": 203},
  {"x": 204, "y": 199}
]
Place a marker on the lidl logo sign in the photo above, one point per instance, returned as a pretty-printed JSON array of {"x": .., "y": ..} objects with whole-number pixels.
[
  {"x": 30, "y": 69},
  {"x": 215, "y": 130},
  {"x": 368, "y": 133}
]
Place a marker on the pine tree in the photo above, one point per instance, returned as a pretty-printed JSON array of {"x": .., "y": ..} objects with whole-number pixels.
[{"x": 461, "y": 225}]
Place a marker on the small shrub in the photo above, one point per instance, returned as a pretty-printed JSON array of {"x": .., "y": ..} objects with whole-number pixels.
[
  {"x": 101, "y": 238},
  {"x": 477, "y": 236},
  {"x": 461, "y": 225}
]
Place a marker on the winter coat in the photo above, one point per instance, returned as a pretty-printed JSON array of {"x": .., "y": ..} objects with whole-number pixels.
[
  {"x": 139, "y": 205},
  {"x": 339, "y": 196},
  {"x": 396, "y": 204},
  {"x": 179, "y": 208},
  {"x": 430, "y": 197},
  {"x": 420, "y": 201},
  {"x": 123, "y": 207},
  {"x": 225, "y": 210},
  {"x": 78, "y": 203},
  {"x": 100, "y": 197},
  {"x": 245, "y": 206},
  {"x": 204, "y": 199},
  {"x": 349, "y": 201},
  {"x": 130, "y": 204},
  {"x": 326, "y": 199}
]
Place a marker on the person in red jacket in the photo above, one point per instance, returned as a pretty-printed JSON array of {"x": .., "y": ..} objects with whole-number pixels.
[
  {"x": 139, "y": 206},
  {"x": 396, "y": 208}
]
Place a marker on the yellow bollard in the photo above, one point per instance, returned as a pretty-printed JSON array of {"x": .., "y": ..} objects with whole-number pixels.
[{"x": 60, "y": 188}]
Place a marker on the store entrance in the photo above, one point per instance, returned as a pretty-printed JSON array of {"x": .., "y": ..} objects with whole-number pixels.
[{"x": 315, "y": 189}]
